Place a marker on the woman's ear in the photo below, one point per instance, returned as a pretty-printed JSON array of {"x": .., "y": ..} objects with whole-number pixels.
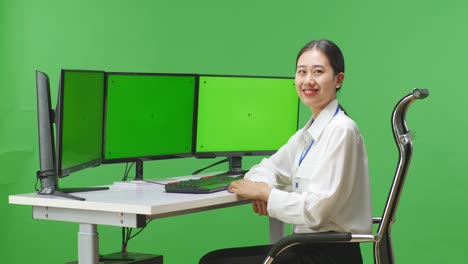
[{"x": 339, "y": 80}]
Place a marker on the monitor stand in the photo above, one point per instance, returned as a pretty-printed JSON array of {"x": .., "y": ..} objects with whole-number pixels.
[
  {"x": 139, "y": 170},
  {"x": 49, "y": 187},
  {"x": 235, "y": 166},
  {"x": 64, "y": 193},
  {"x": 52, "y": 191}
]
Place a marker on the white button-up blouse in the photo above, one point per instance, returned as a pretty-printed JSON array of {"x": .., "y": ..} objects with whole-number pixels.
[{"x": 329, "y": 182}]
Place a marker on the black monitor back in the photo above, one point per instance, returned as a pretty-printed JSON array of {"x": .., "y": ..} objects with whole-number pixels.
[{"x": 45, "y": 120}]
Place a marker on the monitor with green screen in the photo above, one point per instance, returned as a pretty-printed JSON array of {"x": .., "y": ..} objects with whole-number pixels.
[
  {"x": 149, "y": 116},
  {"x": 80, "y": 110},
  {"x": 245, "y": 115}
]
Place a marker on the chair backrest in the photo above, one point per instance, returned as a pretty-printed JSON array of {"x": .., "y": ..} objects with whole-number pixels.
[{"x": 383, "y": 252}]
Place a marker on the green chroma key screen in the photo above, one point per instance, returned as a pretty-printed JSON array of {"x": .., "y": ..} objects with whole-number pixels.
[
  {"x": 245, "y": 114},
  {"x": 149, "y": 115},
  {"x": 80, "y": 120}
]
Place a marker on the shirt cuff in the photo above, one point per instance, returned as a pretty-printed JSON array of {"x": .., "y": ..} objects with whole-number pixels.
[{"x": 275, "y": 201}]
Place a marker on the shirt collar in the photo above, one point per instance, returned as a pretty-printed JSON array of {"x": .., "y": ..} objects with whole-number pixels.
[{"x": 320, "y": 123}]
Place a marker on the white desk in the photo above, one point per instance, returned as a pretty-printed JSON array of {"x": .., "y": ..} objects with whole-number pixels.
[{"x": 125, "y": 205}]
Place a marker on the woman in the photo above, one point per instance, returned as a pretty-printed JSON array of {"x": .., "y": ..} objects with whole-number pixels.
[{"x": 325, "y": 163}]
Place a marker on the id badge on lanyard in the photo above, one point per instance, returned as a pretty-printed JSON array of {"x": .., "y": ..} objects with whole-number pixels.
[
  {"x": 295, "y": 183},
  {"x": 295, "y": 172},
  {"x": 302, "y": 157}
]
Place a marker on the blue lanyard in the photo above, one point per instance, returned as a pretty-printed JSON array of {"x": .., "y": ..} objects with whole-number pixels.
[{"x": 304, "y": 153}]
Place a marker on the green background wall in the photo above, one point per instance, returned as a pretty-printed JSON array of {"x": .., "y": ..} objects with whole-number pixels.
[{"x": 390, "y": 48}]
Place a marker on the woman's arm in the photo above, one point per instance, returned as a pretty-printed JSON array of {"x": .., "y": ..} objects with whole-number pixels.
[
  {"x": 258, "y": 182},
  {"x": 277, "y": 168},
  {"x": 342, "y": 171}
]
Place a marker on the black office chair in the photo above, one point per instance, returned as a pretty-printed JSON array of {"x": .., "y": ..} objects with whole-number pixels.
[{"x": 383, "y": 252}]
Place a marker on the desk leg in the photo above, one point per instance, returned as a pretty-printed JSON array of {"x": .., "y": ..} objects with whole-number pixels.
[
  {"x": 277, "y": 230},
  {"x": 88, "y": 244}
]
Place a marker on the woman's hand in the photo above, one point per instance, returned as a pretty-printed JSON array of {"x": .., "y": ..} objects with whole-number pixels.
[
  {"x": 251, "y": 190},
  {"x": 260, "y": 207},
  {"x": 257, "y": 191}
]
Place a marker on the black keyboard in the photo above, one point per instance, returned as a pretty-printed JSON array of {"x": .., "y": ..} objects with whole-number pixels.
[{"x": 207, "y": 184}]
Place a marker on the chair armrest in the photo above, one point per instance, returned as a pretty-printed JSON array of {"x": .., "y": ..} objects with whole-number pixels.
[{"x": 295, "y": 239}]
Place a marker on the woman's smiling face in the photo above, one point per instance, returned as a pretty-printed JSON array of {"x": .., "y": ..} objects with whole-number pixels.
[{"x": 316, "y": 82}]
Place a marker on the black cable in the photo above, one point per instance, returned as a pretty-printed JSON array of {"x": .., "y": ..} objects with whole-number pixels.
[
  {"x": 127, "y": 171},
  {"x": 124, "y": 243},
  {"x": 139, "y": 231},
  {"x": 127, "y": 235},
  {"x": 207, "y": 167},
  {"x": 154, "y": 182},
  {"x": 35, "y": 185}
]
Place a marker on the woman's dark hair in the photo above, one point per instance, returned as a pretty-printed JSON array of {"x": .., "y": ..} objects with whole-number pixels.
[{"x": 330, "y": 49}]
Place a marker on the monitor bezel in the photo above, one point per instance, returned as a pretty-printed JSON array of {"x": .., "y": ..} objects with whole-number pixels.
[
  {"x": 151, "y": 157},
  {"x": 61, "y": 172},
  {"x": 215, "y": 154}
]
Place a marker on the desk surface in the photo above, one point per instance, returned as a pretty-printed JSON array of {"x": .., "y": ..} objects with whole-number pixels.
[
  {"x": 135, "y": 198},
  {"x": 126, "y": 205}
]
